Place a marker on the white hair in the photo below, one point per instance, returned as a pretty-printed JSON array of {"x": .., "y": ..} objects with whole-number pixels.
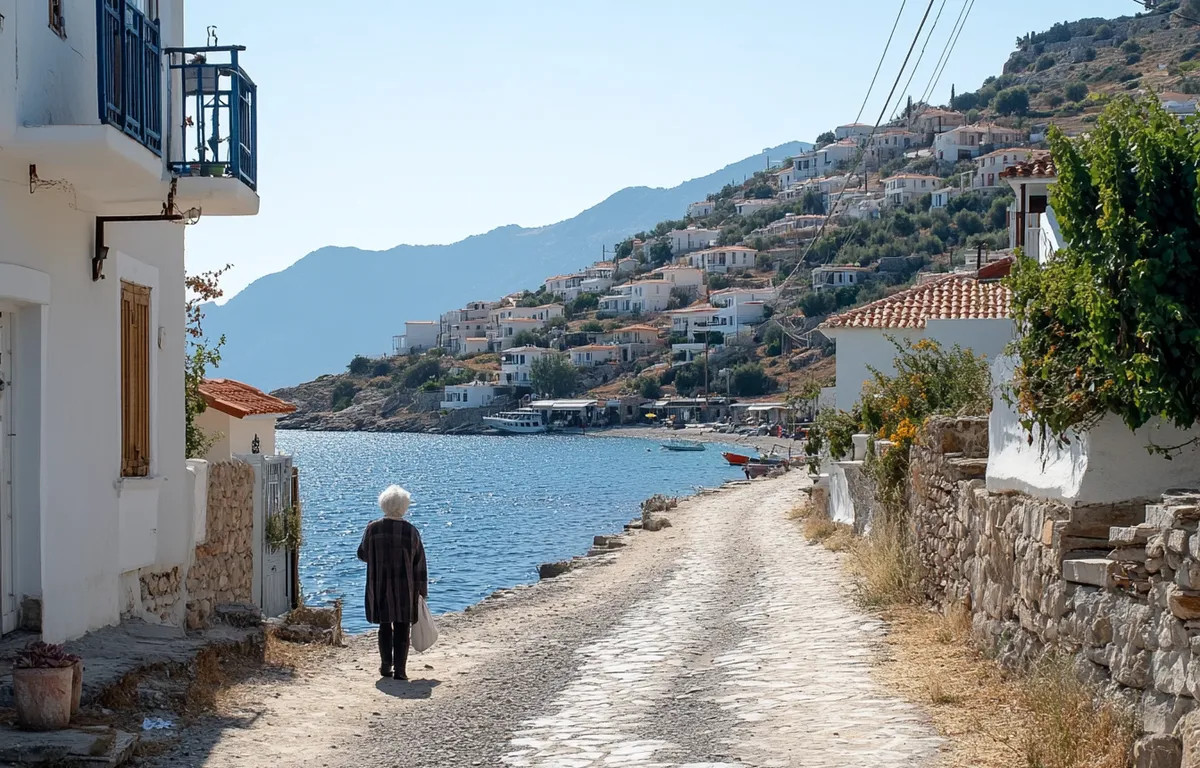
[{"x": 394, "y": 502}]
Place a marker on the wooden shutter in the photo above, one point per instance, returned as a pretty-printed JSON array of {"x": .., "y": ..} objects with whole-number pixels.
[{"x": 135, "y": 380}]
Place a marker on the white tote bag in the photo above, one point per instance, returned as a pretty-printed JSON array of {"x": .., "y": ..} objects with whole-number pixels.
[{"x": 424, "y": 633}]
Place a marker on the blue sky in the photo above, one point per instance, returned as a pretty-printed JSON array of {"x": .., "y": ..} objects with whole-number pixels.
[{"x": 404, "y": 122}]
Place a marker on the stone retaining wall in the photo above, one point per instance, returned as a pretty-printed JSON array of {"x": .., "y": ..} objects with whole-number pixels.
[
  {"x": 161, "y": 594},
  {"x": 223, "y": 570},
  {"x": 1118, "y": 585}
]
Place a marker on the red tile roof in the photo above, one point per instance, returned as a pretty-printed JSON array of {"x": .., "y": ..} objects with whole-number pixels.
[
  {"x": 1039, "y": 167},
  {"x": 955, "y": 297},
  {"x": 241, "y": 400}
]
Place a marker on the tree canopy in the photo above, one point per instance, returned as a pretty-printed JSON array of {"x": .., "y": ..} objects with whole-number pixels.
[
  {"x": 553, "y": 376},
  {"x": 1111, "y": 323}
]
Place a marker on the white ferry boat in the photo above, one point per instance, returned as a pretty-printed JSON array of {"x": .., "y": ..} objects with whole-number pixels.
[{"x": 520, "y": 421}]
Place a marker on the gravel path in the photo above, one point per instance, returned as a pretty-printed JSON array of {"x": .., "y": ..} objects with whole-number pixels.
[{"x": 724, "y": 640}]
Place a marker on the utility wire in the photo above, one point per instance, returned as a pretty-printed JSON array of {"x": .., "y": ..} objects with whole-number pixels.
[
  {"x": 1145, "y": 4},
  {"x": 920, "y": 56},
  {"x": 929, "y": 86},
  {"x": 882, "y": 56},
  {"x": 953, "y": 45},
  {"x": 895, "y": 84}
]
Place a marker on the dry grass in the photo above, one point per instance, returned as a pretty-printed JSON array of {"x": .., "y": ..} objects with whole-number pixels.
[
  {"x": 1071, "y": 727},
  {"x": 208, "y": 681},
  {"x": 885, "y": 567},
  {"x": 836, "y": 537}
]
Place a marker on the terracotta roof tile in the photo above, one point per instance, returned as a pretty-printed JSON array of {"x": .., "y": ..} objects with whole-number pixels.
[
  {"x": 954, "y": 297},
  {"x": 1039, "y": 167},
  {"x": 241, "y": 400}
]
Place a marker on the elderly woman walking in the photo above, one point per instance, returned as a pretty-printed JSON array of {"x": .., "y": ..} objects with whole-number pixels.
[{"x": 396, "y": 577}]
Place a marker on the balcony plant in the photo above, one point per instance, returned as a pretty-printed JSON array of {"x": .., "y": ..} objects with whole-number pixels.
[{"x": 47, "y": 682}]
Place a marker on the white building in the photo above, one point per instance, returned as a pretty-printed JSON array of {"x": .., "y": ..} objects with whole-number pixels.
[
  {"x": 681, "y": 276},
  {"x": 473, "y": 345},
  {"x": 691, "y": 239},
  {"x": 419, "y": 336},
  {"x": 1182, "y": 104},
  {"x": 932, "y": 122},
  {"x": 969, "y": 141},
  {"x": 952, "y": 310},
  {"x": 730, "y": 296},
  {"x": 594, "y": 354},
  {"x": 473, "y": 395},
  {"x": 723, "y": 258},
  {"x": 834, "y": 276},
  {"x": 239, "y": 418},
  {"x": 989, "y": 167},
  {"x": 1032, "y": 224},
  {"x": 702, "y": 208},
  {"x": 856, "y": 131},
  {"x": 747, "y": 207},
  {"x": 888, "y": 145},
  {"x": 640, "y": 296},
  {"x": 906, "y": 188},
  {"x": 626, "y": 266},
  {"x": 558, "y": 285},
  {"x": 516, "y": 362},
  {"x": 92, "y": 341},
  {"x": 826, "y": 160},
  {"x": 942, "y": 197}
]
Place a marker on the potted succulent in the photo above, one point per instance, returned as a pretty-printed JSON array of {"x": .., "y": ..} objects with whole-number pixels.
[{"x": 45, "y": 683}]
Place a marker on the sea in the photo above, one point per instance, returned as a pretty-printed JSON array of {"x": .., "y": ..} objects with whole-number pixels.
[{"x": 490, "y": 508}]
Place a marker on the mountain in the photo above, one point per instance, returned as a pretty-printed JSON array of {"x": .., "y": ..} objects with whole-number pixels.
[{"x": 334, "y": 303}]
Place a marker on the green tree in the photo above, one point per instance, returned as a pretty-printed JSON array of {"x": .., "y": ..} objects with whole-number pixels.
[
  {"x": 1111, "y": 324},
  {"x": 592, "y": 326},
  {"x": 201, "y": 354},
  {"x": 381, "y": 368},
  {"x": 584, "y": 302},
  {"x": 359, "y": 366},
  {"x": 1076, "y": 92},
  {"x": 813, "y": 203},
  {"x": 342, "y": 395},
  {"x": 1104, "y": 32},
  {"x": 818, "y": 303},
  {"x": 660, "y": 252},
  {"x": 825, "y": 139},
  {"x": 425, "y": 369},
  {"x": 648, "y": 387},
  {"x": 1044, "y": 62},
  {"x": 903, "y": 224},
  {"x": 1012, "y": 101},
  {"x": 968, "y": 223},
  {"x": 528, "y": 339},
  {"x": 750, "y": 380},
  {"x": 624, "y": 249},
  {"x": 553, "y": 376}
]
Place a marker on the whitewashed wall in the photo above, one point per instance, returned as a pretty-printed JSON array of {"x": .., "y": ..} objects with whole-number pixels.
[{"x": 1108, "y": 464}]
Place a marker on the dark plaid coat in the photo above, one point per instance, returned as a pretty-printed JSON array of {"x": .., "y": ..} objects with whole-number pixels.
[{"x": 396, "y": 572}]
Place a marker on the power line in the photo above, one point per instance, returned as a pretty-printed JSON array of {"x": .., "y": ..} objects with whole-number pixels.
[
  {"x": 929, "y": 86},
  {"x": 920, "y": 56},
  {"x": 1145, "y": 4},
  {"x": 833, "y": 206},
  {"x": 953, "y": 45},
  {"x": 882, "y": 56}
]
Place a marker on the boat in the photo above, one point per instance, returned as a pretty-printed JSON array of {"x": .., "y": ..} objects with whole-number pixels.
[
  {"x": 521, "y": 421},
  {"x": 683, "y": 445},
  {"x": 736, "y": 459},
  {"x": 757, "y": 470}
]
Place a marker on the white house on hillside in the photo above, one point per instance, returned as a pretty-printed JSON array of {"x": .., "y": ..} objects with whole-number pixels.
[
  {"x": 856, "y": 131},
  {"x": 681, "y": 276},
  {"x": 1032, "y": 224},
  {"x": 515, "y": 364},
  {"x": 473, "y": 395},
  {"x": 239, "y": 418},
  {"x": 951, "y": 310},
  {"x": 594, "y": 354},
  {"x": 833, "y": 276},
  {"x": 932, "y": 122},
  {"x": 889, "y": 144},
  {"x": 989, "y": 167},
  {"x": 702, "y": 208},
  {"x": 92, "y": 341},
  {"x": 906, "y": 188},
  {"x": 747, "y": 207},
  {"x": 691, "y": 239},
  {"x": 723, "y": 258},
  {"x": 639, "y": 296},
  {"x": 968, "y": 141},
  {"x": 419, "y": 336}
]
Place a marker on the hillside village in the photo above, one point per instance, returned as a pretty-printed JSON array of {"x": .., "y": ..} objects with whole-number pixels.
[{"x": 731, "y": 303}]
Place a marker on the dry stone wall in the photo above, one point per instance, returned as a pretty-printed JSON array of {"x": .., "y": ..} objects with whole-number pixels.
[
  {"x": 223, "y": 570},
  {"x": 161, "y": 594},
  {"x": 1117, "y": 585}
]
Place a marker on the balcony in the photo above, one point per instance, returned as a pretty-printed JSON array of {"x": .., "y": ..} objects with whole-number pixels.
[
  {"x": 216, "y": 161},
  {"x": 129, "y": 68}
]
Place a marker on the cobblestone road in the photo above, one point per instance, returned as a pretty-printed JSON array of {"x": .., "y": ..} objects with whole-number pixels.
[{"x": 725, "y": 640}]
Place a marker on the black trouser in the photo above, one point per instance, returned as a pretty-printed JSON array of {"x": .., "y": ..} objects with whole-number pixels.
[{"x": 393, "y": 644}]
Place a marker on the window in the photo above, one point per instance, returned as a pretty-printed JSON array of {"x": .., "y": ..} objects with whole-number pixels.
[
  {"x": 57, "y": 22},
  {"x": 135, "y": 380}
]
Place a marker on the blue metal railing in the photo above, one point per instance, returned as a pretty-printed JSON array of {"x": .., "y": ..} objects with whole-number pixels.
[
  {"x": 129, "y": 72},
  {"x": 218, "y": 114}
]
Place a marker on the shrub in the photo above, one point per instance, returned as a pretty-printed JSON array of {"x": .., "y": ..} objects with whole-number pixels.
[
  {"x": 421, "y": 371},
  {"x": 968, "y": 222},
  {"x": 1133, "y": 58},
  {"x": 1012, "y": 101},
  {"x": 1104, "y": 32},
  {"x": 1044, "y": 62},
  {"x": 381, "y": 368},
  {"x": 750, "y": 380},
  {"x": 342, "y": 395},
  {"x": 1073, "y": 724},
  {"x": 592, "y": 326},
  {"x": 359, "y": 366},
  {"x": 1131, "y": 46},
  {"x": 1076, "y": 92},
  {"x": 648, "y": 387},
  {"x": 1111, "y": 321},
  {"x": 553, "y": 376}
]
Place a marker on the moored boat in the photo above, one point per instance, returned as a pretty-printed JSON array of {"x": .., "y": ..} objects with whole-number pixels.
[
  {"x": 521, "y": 421},
  {"x": 683, "y": 445},
  {"x": 736, "y": 459}
]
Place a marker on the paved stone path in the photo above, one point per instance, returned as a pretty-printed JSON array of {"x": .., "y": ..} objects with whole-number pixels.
[{"x": 725, "y": 640}]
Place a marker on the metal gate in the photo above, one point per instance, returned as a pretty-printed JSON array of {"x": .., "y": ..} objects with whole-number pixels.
[{"x": 276, "y": 478}]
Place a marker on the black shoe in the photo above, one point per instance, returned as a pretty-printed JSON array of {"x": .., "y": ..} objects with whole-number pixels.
[
  {"x": 385, "y": 670},
  {"x": 400, "y": 676}
]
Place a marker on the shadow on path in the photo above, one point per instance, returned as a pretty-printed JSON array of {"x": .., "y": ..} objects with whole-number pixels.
[{"x": 407, "y": 689}]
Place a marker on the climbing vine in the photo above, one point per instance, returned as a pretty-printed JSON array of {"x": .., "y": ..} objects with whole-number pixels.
[
  {"x": 1111, "y": 324},
  {"x": 201, "y": 354}
]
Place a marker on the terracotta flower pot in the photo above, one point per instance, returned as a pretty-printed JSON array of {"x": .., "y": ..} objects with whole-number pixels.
[
  {"x": 76, "y": 686},
  {"x": 43, "y": 697}
]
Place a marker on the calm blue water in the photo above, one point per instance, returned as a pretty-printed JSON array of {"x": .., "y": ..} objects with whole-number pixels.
[{"x": 490, "y": 508}]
